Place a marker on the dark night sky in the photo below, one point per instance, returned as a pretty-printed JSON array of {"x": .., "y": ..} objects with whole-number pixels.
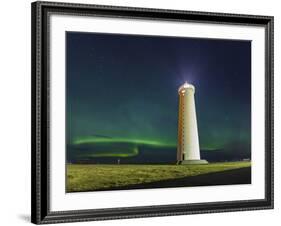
[{"x": 122, "y": 98}]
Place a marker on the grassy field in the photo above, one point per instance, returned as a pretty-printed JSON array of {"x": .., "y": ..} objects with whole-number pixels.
[{"x": 86, "y": 177}]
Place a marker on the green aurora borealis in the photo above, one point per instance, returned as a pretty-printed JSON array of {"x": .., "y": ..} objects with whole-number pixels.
[{"x": 122, "y": 96}]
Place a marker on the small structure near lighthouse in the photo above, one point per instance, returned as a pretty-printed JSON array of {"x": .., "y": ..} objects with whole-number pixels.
[{"x": 188, "y": 141}]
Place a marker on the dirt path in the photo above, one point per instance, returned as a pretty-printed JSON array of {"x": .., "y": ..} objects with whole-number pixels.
[{"x": 228, "y": 177}]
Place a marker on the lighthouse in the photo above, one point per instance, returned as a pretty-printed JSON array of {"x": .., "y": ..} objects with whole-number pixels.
[{"x": 188, "y": 141}]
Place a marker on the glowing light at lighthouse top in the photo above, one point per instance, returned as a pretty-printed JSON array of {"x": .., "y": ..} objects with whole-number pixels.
[{"x": 183, "y": 88}]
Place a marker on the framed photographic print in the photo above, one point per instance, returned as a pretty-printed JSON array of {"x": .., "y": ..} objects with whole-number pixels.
[{"x": 141, "y": 112}]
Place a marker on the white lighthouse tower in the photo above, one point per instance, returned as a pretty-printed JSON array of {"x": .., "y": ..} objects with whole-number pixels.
[{"x": 188, "y": 140}]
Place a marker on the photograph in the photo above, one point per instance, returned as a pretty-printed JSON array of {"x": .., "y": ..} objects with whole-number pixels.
[{"x": 148, "y": 111}]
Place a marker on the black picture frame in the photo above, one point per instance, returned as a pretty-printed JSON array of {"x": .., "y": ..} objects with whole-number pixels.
[{"x": 40, "y": 211}]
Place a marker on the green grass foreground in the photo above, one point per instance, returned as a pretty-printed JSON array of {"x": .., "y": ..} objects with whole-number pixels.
[{"x": 90, "y": 177}]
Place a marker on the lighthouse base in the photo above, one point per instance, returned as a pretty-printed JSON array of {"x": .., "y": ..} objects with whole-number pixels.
[{"x": 193, "y": 162}]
